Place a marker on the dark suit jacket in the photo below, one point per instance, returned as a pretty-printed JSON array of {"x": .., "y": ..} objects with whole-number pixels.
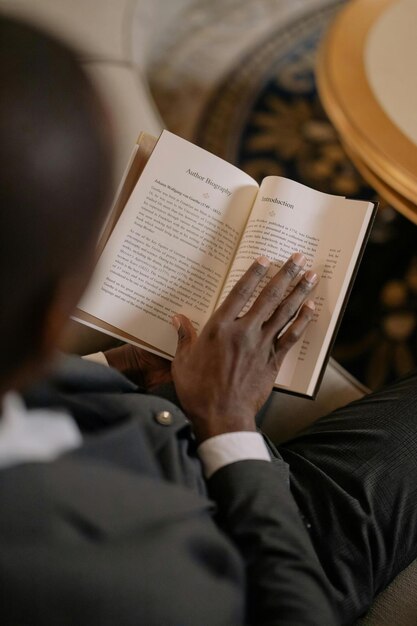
[{"x": 121, "y": 531}]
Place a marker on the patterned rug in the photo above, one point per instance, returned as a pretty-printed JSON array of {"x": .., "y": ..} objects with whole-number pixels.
[{"x": 265, "y": 116}]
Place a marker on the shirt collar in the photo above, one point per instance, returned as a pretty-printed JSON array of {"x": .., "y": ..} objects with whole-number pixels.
[{"x": 34, "y": 435}]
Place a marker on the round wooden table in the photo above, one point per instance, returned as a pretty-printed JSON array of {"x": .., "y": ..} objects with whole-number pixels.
[{"x": 367, "y": 81}]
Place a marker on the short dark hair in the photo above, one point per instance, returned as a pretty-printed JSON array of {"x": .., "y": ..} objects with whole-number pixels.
[{"x": 55, "y": 178}]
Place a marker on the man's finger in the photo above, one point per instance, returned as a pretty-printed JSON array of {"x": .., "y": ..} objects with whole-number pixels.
[
  {"x": 244, "y": 289},
  {"x": 273, "y": 293},
  {"x": 290, "y": 305},
  {"x": 185, "y": 329},
  {"x": 295, "y": 330}
]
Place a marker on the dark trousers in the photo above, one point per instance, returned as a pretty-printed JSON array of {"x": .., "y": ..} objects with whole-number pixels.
[{"x": 354, "y": 478}]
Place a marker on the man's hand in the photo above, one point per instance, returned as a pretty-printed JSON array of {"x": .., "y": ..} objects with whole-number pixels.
[
  {"x": 143, "y": 368},
  {"x": 224, "y": 376}
]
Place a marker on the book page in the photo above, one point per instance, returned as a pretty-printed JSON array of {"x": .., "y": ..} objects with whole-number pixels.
[
  {"x": 288, "y": 217},
  {"x": 171, "y": 248}
]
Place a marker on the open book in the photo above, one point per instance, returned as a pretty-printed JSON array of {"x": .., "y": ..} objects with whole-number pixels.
[{"x": 180, "y": 237}]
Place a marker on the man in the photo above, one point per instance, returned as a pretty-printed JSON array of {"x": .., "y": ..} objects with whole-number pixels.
[{"x": 162, "y": 505}]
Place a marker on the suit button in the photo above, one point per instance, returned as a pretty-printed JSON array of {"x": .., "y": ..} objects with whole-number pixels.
[{"x": 164, "y": 418}]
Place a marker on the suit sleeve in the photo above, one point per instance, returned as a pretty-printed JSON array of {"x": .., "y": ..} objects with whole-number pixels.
[{"x": 285, "y": 582}]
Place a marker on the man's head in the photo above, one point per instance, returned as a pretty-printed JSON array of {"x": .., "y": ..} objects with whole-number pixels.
[{"x": 55, "y": 180}]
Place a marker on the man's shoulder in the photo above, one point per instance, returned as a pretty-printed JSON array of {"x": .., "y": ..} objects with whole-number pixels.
[{"x": 98, "y": 396}]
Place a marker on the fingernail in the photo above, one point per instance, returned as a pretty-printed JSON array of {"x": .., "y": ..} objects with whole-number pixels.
[
  {"x": 298, "y": 258},
  {"x": 311, "y": 277},
  {"x": 264, "y": 261},
  {"x": 176, "y": 321},
  {"x": 310, "y": 304}
]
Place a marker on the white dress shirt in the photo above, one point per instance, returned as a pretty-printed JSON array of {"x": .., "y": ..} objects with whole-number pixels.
[{"x": 34, "y": 435}]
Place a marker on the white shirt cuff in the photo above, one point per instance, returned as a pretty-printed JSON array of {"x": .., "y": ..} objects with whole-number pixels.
[
  {"x": 222, "y": 450},
  {"x": 97, "y": 357}
]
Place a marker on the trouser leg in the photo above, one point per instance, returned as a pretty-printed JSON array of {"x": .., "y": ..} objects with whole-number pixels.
[{"x": 354, "y": 477}]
